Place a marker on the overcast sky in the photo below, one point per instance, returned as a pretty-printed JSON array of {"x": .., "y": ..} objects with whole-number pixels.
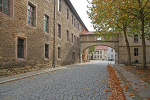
[{"x": 81, "y": 8}]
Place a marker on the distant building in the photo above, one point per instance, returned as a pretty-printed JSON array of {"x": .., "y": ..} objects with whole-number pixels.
[
  {"x": 111, "y": 54},
  {"x": 101, "y": 53}
]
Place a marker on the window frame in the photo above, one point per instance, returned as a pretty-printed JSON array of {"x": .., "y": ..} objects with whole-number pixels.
[
  {"x": 67, "y": 35},
  {"x": 46, "y": 51},
  {"x": 59, "y": 52},
  {"x": 3, "y": 7},
  {"x": 22, "y": 46},
  {"x": 101, "y": 56},
  {"x": 67, "y": 13},
  {"x": 72, "y": 19},
  {"x": 78, "y": 26},
  {"x": 33, "y": 14},
  {"x": 46, "y": 21},
  {"x": 136, "y": 38},
  {"x": 100, "y": 52},
  {"x": 136, "y": 51},
  {"x": 112, "y": 56},
  {"x": 77, "y": 41},
  {"x": 73, "y": 56},
  {"x": 59, "y": 5},
  {"x": 72, "y": 38},
  {"x": 111, "y": 50},
  {"x": 59, "y": 30},
  {"x": 74, "y": 22}
]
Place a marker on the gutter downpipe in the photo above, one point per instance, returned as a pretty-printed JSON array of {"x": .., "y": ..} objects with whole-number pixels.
[{"x": 54, "y": 39}]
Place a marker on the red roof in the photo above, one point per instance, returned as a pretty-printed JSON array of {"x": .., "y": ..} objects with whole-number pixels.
[
  {"x": 86, "y": 32},
  {"x": 101, "y": 48}
]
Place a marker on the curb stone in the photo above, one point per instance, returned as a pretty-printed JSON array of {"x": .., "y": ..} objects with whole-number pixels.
[{"x": 30, "y": 74}]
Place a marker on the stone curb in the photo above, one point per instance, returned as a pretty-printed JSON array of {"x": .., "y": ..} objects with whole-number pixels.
[
  {"x": 125, "y": 93},
  {"x": 140, "y": 87},
  {"x": 30, "y": 74}
]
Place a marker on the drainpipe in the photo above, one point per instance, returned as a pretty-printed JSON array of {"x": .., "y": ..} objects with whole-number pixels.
[
  {"x": 80, "y": 50},
  {"x": 54, "y": 38},
  {"x": 118, "y": 52}
]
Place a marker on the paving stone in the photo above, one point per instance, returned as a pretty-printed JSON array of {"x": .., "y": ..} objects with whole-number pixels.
[{"x": 78, "y": 82}]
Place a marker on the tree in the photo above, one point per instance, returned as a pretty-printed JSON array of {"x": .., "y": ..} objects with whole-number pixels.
[
  {"x": 109, "y": 21},
  {"x": 91, "y": 50},
  {"x": 108, "y": 14},
  {"x": 139, "y": 10}
]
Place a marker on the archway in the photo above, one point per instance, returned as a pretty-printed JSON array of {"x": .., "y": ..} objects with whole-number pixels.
[
  {"x": 89, "y": 39},
  {"x": 101, "y": 53}
]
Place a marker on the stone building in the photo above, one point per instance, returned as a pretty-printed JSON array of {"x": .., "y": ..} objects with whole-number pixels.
[
  {"x": 136, "y": 49},
  {"x": 89, "y": 39},
  {"x": 35, "y": 32}
]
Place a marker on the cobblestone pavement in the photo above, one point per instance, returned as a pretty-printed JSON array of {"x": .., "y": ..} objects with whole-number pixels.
[{"x": 79, "y": 82}]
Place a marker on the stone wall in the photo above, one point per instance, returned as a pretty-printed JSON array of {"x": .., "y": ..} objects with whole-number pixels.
[
  {"x": 35, "y": 38},
  {"x": 123, "y": 54}
]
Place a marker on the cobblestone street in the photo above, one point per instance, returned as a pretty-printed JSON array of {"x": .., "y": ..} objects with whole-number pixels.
[{"x": 78, "y": 82}]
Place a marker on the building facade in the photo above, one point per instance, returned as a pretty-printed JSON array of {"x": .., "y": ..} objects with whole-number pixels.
[
  {"x": 89, "y": 39},
  {"x": 111, "y": 54},
  {"x": 101, "y": 53},
  {"x": 136, "y": 49},
  {"x": 36, "y": 32}
]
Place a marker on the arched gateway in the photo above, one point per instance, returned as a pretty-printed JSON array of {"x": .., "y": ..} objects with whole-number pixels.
[{"x": 88, "y": 39}]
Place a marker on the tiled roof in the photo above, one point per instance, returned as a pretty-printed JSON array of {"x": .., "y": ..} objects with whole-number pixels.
[
  {"x": 101, "y": 48},
  {"x": 86, "y": 32}
]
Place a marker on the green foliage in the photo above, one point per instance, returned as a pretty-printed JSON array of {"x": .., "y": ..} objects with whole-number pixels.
[
  {"x": 111, "y": 17},
  {"x": 91, "y": 49}
]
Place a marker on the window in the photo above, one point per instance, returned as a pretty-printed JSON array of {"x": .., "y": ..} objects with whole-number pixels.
[
  {"x": 46, "y": 23},
  {"x": 135, "y": 51},
  {"x": 67, "y": 35},
  {"x": 20, "y": 48},
  {"x": 97, "y": 52},
  {"x": 72, "y": 19},
  {"x": 46, "y": 51},
  {"x": 67, "y": 14},
  {"x": 72, "y": 37},
  {"x": 111, "y": 56},
  {"x": 100, "y": 56},
  {"x": 100, "y": 52},
  {"x": 59, "y": 52},
  {"x": 59, "y": 30},
  {"x": 4, "y": 6},
  {"x": 111, "y": 50},
  {"x": 74, "y": 22},
  {"x": 136, "y": 38},
  {"x": 78, "y": 26},
  {"x": 73, "y": 55},
  {"x": 78, "y": 41},
  {"x": 31, "y": 15},
  {"x": 59, "y": 5},
  {"x": 99, "y": 38}
]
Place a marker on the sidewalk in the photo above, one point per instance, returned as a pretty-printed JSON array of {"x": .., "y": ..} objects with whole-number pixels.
[
  {"x": 137, "y": 88},
  {"x": 30, "y": 74}
]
